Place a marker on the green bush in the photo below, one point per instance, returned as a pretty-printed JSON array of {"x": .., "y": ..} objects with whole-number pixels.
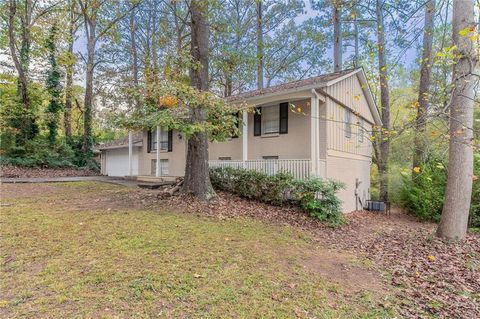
[
  {"x": 38, "y": 153},
  {"x": 318, "y": 198},
  {"x": 423, "y": 195},
  {"x": 315, "y": 196}
]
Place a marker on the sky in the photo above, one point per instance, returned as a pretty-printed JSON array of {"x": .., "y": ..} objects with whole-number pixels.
[{"x": 407, "y": 59}]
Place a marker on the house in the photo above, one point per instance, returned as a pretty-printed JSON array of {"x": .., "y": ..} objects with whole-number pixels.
[{"x": 319, "y": 126}]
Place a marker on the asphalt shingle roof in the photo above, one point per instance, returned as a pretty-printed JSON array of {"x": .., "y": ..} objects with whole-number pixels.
[
  {"x": 123, "y": 141},
  {"x": 321, "y": 79}
]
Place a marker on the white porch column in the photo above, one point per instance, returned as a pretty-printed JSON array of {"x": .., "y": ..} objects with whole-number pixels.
[
  {"x": 157, "y": 170},
  {"x": 314, "y": 131},
  {"x": 244, "y": 137},
  {"x": 130, "y": 153}
]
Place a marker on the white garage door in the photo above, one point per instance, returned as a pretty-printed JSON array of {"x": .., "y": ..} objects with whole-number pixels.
[{"x": 116, "y": 162}]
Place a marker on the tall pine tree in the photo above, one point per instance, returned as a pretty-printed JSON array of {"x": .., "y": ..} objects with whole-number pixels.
[{"x": 54, "y": 88}]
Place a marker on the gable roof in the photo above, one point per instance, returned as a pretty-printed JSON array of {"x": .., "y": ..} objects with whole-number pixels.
[
  {"x": 320, "y": 80},
  {"x": 122, "y": 142},
  {"x": 313, "y": 83}
]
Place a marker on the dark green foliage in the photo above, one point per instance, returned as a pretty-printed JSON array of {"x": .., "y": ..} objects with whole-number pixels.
[
  {"x": 423, "y": 195},
  {"x": 39, "y": 153},
  {"x": 315, "y": 196},
  {"x": 318, "y": 198},
  {"x": 54, "y": 88}
]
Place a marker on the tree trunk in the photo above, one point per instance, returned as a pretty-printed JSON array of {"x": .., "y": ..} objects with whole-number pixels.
[
  {"x": 259, "y": 45},
  {"x": 454, "y": 220},
  {"x": 197, "y": 179},
  {"x": 87, "y": 116},
  {"x": 133, "y": 43},
  {"x": 355, "y": 60},
  {"x": 228, "y": 83},
  {"x": 384, "y": 143},
  {"x": 424, "y": 87},
  {"x": 67, "y": 114},
  {"x": 337, "y": 36},
  {"x": 21, "y": 65}
]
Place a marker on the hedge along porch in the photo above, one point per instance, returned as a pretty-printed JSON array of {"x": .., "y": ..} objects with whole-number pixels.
[{"x": 319, "y": 127}]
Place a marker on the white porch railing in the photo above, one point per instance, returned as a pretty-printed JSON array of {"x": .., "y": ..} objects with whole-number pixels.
[{"x": 299, "y": 168}]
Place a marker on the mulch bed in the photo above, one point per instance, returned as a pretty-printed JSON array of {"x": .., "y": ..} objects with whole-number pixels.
[
  {"x": 433, "y": 278},
  {"x": 9, "y": 171}
]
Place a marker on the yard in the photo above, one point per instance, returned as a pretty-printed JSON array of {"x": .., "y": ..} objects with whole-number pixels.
[{"x": 99, "y": 250}]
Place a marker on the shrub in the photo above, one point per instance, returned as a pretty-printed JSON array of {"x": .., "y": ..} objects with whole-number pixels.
[
  {"x": 38, "y": 153},
  {"x": 423, "y": 196},
  {"x": 318, "y": 198},
  {"x": 315, "y": 196}
]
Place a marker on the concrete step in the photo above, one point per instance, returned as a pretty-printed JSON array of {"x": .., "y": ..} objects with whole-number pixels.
[
  {"x": 154, "y": 179},
  {"x": 154, "y": 185}
]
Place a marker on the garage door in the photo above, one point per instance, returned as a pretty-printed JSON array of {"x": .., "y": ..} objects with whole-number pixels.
[{"x": 116, "y": 162}]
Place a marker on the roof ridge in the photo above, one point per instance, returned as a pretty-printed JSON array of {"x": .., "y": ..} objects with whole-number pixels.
[{"x": 292, "y": 84}]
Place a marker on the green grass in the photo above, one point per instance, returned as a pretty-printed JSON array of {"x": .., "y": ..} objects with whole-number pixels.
[{"x": 61, "y": 259}]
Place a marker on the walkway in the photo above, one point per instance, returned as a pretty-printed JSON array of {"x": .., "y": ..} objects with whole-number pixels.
[{"x": 105, "y": 179}]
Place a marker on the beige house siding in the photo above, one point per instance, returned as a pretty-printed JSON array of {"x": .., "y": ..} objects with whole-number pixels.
[
  {"x": 347, "y": 170},
  {"x": 349, "y": 158},
  {"x": 176, "y": 158},
  {"x": 350, "y": 92},
  {"x": 293, "y": 145},
  {"x": 231, "y": 148}
]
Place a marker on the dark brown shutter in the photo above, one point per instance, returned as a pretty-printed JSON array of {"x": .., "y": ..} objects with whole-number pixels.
[
  {"x": 257, "y": 122},
  {"x": 149, "y": 141},
  {"x": 170, "y": 140},
  {"x": 237, "y": 115},
  {"x": 283, "y": 118}
]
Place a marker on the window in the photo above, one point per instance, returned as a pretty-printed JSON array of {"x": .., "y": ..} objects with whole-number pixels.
[
  {"x": 361, "y": 131},
  {"x": 348, "y": 123},
  {"x": 270, "y": 157},
  {"x": 163, "y": 140},
  {"x": 225, "y": 158},
  {"x": 271, "y": 119},
  {"x": 163, "y": 167}
]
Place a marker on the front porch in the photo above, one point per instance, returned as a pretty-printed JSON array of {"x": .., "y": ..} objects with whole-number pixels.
[{"x": 298, "y": 168}]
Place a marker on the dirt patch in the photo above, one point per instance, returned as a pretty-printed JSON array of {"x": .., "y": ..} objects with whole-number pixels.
[
  {"x": 9, "y": 171},
  {"x": 26, "y": 190},
  {"x": 346, "y": 270}
]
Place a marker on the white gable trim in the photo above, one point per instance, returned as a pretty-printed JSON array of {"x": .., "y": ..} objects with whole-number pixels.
[
  {"x": 366, "y": 91},
  {"x": 369, "y": 96}
]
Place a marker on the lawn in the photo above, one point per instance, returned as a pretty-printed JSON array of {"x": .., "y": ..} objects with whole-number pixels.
[{"x": 89, "y": 250}]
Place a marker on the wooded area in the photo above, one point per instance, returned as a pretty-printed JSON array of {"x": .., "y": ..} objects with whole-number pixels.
[{"x": 73, "y": 70}]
